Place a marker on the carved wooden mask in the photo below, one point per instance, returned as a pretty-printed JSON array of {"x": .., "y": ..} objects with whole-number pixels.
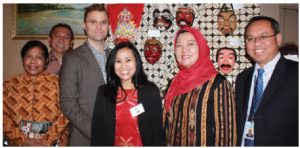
[
  {"x": 152, "y": 50},
  {"x": 226, "y": 58},
  {"x": 185, "y": 17},
  {"x": 226, "y": 21},
  {"x": 162, "y": 17}
]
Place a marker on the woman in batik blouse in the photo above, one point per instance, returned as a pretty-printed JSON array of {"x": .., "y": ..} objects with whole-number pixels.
[
  {"x": 31, "y": 112},
  {"x": 199, "y": 107}
]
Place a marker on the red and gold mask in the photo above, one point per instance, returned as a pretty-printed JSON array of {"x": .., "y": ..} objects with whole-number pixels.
[
  {"x": 226, "y": 21},
  {"x": 184, "y": 17},
  {"x": 152, "y": 50}
]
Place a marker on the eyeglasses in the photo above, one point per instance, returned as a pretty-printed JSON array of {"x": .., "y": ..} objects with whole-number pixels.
[{"x": 260, "y": 38}]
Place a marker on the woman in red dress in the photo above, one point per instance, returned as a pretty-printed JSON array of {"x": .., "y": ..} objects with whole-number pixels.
[{"x": 128, "y": 109}]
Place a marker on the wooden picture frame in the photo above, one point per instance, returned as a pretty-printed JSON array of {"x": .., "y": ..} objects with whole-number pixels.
[{"x": 34, "y": 21}]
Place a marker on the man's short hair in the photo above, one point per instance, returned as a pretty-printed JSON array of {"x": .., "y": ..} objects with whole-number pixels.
[
  {"x": 274, "y": 23},
  {"x": 63, "y": 25},
  {"x": 94, "y": 7}
]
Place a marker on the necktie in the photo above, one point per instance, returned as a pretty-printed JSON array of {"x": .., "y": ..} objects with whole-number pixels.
[{"x": 258, "y": 92}]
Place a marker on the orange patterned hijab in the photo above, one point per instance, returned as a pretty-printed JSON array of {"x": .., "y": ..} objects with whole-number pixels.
[{"x": 189, "y": 78}]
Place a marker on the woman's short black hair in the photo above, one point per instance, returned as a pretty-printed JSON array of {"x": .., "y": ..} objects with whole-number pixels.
[
  {"x": 113, "y": 81},
  {"x": 34, "y": 43}
]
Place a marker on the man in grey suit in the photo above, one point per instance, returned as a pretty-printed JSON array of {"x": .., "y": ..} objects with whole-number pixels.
[{"x": 82, "y": 72}]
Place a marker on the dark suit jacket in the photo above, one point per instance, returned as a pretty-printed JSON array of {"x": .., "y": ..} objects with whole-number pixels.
[
  {"x": 149, "y": 122},
  {"x": 80, "y": 77},
  {"x": 276, "y": 119}
]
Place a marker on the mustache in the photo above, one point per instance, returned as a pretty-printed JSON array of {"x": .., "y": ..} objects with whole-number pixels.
[
  {"x": 163, "y": 18},
  {"x": 225, "y": 65},
  {"x": 229, "y": 29}
]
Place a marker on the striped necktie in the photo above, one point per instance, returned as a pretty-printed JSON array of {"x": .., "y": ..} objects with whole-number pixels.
[{"x": 258, "y": 92}]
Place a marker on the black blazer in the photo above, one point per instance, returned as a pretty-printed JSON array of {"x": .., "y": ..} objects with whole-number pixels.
[
  {"x": 149, "y": 122},
  {"x": 276, "y": 119}
]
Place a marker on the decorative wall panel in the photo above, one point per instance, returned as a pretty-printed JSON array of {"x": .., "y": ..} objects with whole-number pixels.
[{"x": 206, "y": 21}]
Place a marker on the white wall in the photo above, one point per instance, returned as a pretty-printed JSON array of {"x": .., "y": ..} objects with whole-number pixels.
[
  {"x": 289, "y": 24},
  {"x": 287, "y": 16}
]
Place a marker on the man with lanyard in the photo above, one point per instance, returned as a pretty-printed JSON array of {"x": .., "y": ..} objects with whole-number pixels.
[{"x": 267, "y": 93}]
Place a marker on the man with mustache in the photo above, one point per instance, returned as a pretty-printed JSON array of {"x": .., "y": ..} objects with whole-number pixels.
[{"x": 226, "y": 58}]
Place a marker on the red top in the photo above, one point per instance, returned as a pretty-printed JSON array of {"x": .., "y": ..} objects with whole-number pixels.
[{"x": 127, "y": 130}]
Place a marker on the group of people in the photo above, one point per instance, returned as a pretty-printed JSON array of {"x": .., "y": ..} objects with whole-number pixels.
[{"x": 103, "y": 98}]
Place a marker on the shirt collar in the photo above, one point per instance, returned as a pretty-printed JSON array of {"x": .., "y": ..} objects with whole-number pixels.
[
  {"x": 94, "y": 50},
  {"x": 28, "y": 77},
  {"x": 269, "y": 67},
  {"x": 52, "y": 57}
]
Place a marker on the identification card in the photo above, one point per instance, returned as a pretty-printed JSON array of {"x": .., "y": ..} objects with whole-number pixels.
[
  {"x": 249, "y": 132},
  {"x": 137, "y": 110}
]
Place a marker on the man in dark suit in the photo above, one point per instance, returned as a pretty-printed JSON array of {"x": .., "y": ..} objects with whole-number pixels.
[
  {"x": 82, "y": 72},
  {"x": 274, "y": 121}
]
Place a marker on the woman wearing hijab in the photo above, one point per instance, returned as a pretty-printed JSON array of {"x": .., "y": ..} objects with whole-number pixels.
[{"x": 199, "y": 107}]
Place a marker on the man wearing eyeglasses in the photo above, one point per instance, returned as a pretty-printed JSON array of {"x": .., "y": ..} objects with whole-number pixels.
[
  {"x": 82, "y": 72},
  {"x": 267, "y": 93}
]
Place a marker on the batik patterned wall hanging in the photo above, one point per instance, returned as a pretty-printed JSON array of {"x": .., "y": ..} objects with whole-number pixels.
[{"x": 206, "y": 20}]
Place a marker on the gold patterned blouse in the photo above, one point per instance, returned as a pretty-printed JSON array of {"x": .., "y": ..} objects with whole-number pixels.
[
  {"x": 33, "y": 99},
  {"x": 205, "y": 116}
]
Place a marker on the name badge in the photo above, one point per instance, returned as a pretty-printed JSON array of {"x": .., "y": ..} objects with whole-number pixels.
[
  {"x": 249, "y": 132},
  {"x": 137, "y": 110}
]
